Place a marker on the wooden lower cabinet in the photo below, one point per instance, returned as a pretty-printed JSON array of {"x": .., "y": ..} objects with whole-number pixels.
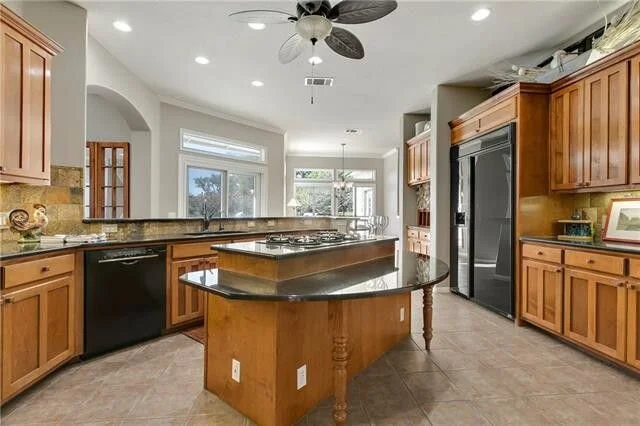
[
  {"x": 38, "y": 332},
  {"x": 633, "y": 324},
  {"x": 542, "y": 294},
  {"x": 595, "y": 311},
  {"x": 186, "y": 303}
]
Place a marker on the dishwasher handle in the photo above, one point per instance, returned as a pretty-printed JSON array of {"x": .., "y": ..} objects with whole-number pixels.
[{"x": 127, "y": 260}]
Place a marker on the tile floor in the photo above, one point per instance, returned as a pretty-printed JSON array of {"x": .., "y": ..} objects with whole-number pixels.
[{"x": 481, "y": 371}]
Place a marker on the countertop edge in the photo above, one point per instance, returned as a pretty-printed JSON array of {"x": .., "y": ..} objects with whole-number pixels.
[{"x": 596, "y": 245}]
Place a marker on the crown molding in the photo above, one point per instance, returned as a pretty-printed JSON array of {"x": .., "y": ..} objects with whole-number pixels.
[
  {"x": 391, "y": 152},
  {"x": 208, "y": 111}
]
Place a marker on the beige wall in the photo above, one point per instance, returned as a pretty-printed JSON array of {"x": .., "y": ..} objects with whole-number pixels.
[{"x": 173, "y": 118}]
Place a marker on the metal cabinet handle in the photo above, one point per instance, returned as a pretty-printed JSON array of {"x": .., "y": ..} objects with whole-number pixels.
[
  {"x": 540, "y": 253},
  {"x": 45, "y": 269},
  {"x": 1, "y": 169},
  {"x": 587, "y": 183},
  {"x": 631, "y": 286},
  {"x": 591, "y": 261},
  {"x": 6, "y": 300},
  {"x": 559, "y": 270},
  {"x": 622, "y": 284}
]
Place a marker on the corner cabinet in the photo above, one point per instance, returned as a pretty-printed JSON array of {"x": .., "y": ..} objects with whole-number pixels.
[
  {"x": 418, "y": 159},
  {"x": 25, "y": 99}
]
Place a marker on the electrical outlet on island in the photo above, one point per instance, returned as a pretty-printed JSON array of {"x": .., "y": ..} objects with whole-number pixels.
[
  {"x": 301, "y": 377},
  {"x": 235, "y": 370}
]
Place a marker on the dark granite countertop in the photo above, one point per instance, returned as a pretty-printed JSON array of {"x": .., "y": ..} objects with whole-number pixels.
[
  {"x": 376, "y": 278},
  {"x": 12, "y": 250},
  {"x": 278, "y": 251},
  {"x": 215, "y": 219},
  {"x": 595, "y": 245}
]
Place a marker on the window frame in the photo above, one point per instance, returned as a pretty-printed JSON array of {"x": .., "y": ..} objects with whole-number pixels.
[
  {"x": 220, "y": 139},
  {"x": 186, "y": 161}
]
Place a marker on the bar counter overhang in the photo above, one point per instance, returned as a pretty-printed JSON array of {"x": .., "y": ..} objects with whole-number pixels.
[{"x": 336, "y": 322}]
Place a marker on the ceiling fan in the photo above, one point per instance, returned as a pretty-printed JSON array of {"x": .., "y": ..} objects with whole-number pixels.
[{"x": 314, "y": 22}]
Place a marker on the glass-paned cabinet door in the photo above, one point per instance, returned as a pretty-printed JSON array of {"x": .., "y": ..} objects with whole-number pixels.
[{"x": 108, "y": 169}]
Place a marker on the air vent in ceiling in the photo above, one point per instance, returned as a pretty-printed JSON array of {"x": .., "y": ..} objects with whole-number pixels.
[{"x": 318, "y": 81}]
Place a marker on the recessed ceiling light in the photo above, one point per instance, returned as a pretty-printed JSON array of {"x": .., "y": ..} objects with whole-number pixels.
[
  {"x": 202, "y": 60},
  {"x": 353, "y": 131},
  {"x": 257, "y": 83},
  {"x": 315, "y": 60},
  {"x": 481, "y": 14},
  {"x": 257, "y": 26},
  {"x": 122, "y": 26}
]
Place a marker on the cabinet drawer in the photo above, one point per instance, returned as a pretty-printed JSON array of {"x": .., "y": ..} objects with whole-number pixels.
[
  {"x": 548, "y": 254},
  {"x": 181, "y": 251},
  {"x": 595, "y": 262},
  {"x": 34, "y": 270},
  {"x": 634, "y": 268},
  {"x": 412, "y": 233}
]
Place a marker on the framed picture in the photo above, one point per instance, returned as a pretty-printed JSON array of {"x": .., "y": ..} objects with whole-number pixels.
[{"x": 623, "y": 222}]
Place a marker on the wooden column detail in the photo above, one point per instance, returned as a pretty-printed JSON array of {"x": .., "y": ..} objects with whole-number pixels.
[
  {"x": 340, "y": 357},
  {"x": 427, "y": 313}
]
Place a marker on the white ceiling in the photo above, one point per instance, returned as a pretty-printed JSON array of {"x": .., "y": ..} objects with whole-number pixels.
[{"x": 419, "y": 45}]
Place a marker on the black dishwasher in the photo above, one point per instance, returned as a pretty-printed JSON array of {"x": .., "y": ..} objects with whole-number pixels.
[{"x": 124, "y": 297}]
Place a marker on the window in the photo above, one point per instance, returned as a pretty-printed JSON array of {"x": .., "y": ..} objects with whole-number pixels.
[
  {"x": 228, "y": 189},
  {"x": 220, "y": 147},
  {"x": 313, "y": 189},
  {"x": 106, "y": 180}
]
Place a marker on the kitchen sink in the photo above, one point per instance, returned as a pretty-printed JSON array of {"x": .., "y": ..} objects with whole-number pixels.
[{"x": 215, "y": 232}]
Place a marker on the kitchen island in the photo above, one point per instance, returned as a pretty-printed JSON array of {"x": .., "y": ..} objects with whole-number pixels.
[{"x": 275, "y": 348}]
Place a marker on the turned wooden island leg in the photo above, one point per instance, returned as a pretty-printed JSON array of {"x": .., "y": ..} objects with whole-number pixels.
[
  {"x": 340, "y": 357},
  {"x": 427, "y": 313}
]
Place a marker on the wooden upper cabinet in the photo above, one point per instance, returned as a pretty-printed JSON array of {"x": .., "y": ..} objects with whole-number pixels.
[
  {"x": 634, "y": 120},
  {"x": 542, "y": 294},
  {"x": 606, "y": 113},
  {"x": 418, "y": 159},
  {"x": 38, "y": 332},
  {"x": 487, "y": 116},
  {"x": 25, "y": 100},
  {"x": 595, "y": 311},
  {"x": 566, "y": 141}
]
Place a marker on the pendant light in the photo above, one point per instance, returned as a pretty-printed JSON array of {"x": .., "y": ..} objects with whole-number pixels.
[{"x": 341, "y": 183}]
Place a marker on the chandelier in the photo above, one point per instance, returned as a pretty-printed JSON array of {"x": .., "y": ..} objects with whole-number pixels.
[{"x": 341, "y": 183}]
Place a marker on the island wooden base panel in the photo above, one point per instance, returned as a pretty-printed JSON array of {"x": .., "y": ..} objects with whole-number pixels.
[{"x": 272, "y": 340}]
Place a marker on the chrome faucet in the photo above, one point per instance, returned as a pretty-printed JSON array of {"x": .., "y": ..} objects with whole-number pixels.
[{"x": 207, "y": 217}]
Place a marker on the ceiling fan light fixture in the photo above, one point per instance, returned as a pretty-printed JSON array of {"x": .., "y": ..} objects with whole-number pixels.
[
  {"x": 314, "y": 27},
  {"x": 258, "y": 26},
  {"x": 315, "y": 60}
]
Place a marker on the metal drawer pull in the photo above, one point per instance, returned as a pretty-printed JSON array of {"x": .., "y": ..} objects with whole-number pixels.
[
  {"x": 591, "y": 261},
  {"x": 559, "y": 270},
  {"x": 631, "y": 286},
  {"x": 45, "y": 269},
  {"x": 621, "y": 284},
  {"x": 6, "y": 300},
  {"x": 127, "y": 259},
  {"x": 540, "y": 253}
]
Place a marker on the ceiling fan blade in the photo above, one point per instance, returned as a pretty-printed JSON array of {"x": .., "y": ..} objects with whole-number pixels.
[
  {"x": 291, "y": 49},
  {"x": 360, "y": 11},
  {"x": 309, "y": 6},
  {"x": 345, "y": 43},
  {"x": 263, "y": 16}
]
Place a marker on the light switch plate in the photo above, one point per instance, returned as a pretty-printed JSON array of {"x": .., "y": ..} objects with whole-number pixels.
[
  {"x": 109, "y": 228},
  {"x": 235, "y": 370},
  {"x": 301, "y": 377},
  {"x": 251, "y": 224},
  {"x": 402, "y": 314},
  {"x": 271, "y": 223}
]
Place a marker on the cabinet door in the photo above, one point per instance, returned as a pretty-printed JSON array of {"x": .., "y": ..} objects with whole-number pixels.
[
  {"x": 186, "y": 303},
  {"x": 411, "y": 164},
  {"x": 38, "y": 332},
  {"x": 542, "y": 294},
  {"x": 566, "y": 141},
  {"x": 417, "y": 163},
  {"x": 634, "y": 120},
  {"x": 424, "y": 157},
  {"x": 606, "y": 97},
  {"x": 633, "y": 324},
  {"x": 25, "y": 90},
  {"x": 595, "y": 311}
]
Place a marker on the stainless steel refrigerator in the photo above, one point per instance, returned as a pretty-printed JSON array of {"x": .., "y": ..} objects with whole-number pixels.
[{"x": 482, "y": 221}]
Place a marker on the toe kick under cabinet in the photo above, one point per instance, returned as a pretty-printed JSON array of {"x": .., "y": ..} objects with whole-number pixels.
[{"x": 589, "y": 297}]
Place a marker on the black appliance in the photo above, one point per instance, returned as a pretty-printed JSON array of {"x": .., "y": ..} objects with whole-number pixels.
[
  {"x": 124, "y": 297},
  {"x": 482, "y": 221}
]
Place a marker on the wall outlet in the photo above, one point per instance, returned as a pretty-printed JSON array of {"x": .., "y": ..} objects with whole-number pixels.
[
  {"x": 251, "y": 224},
  {"x": 4, "y": 220},
  {"x": 307, "y": 221},
  {"x": 402, "y": 314},
  {"x": 271, "y": 223},
  {"x": 235, "y": 370},
  {"x": 302, "y": 377},
  {"x": 109, "y": 228}
]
